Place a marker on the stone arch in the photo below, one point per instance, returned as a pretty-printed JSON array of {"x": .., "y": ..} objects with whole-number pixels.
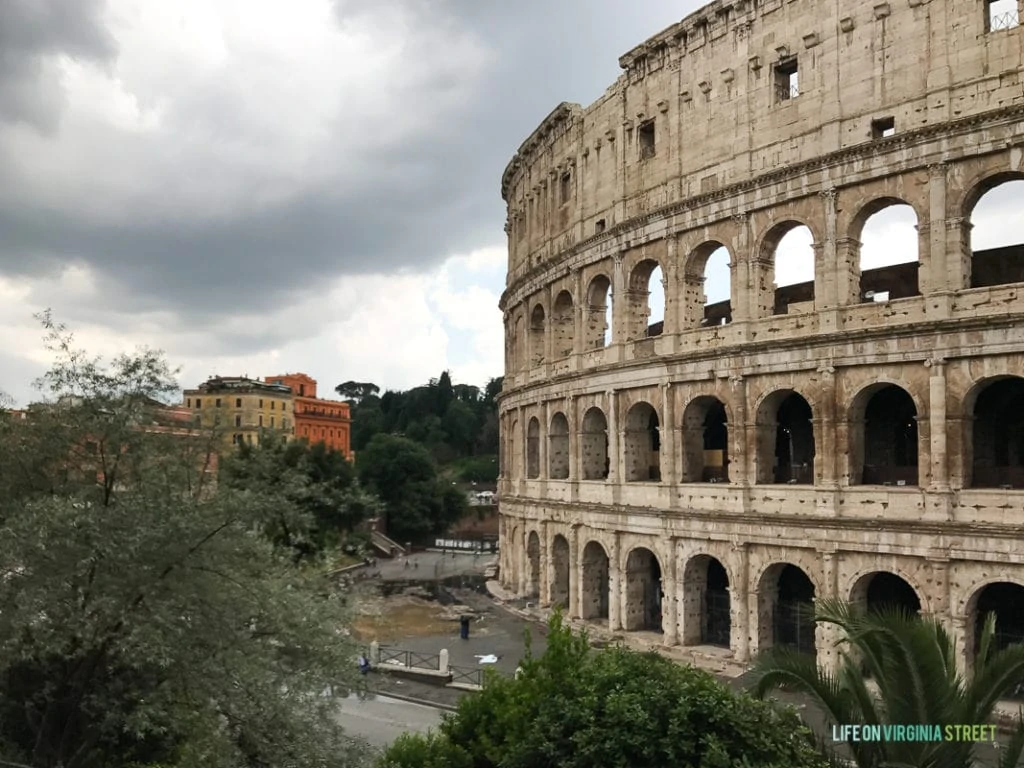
[
  {"x": 1005, "y": 599},
  {"x": 637, "y": 305},
  {"x": 594, "y": 445},
  {"x": 558, "y": 447},
  {"x": 643, "y": 591},
  {"x": 994, "y": 441},
  {"x": 519, "y": 341},
  {"x": 788, "y": 247},
  {"x": 993, "y": 257},
  {"x": 785, "y": 608},
  {"x": 561, "y": 573},
  {"x": 706, "y": 608},
  {"x": 533, "y": 448},
  {"x": 785, "y": 439},
  {"x": 884, "y": 238},
  {"x": 597, "y": 325},
  {"x": 884, "y": 436},
  {"x": 563, "y": 326},
  {"x": 876, "y": 590},
  {"x": 538, "y": 332},
  {"x": 642, "y": 444},
  {"x": 533, "y": 561},
  {"x": 515, "y": 454},
  {"x": 705, "y": 441},
  {"x": 595, "y": 582},
  {"x": 702, "y": 306}
]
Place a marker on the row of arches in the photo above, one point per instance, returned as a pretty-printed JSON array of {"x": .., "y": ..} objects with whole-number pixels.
[
  {"x": 708, "y": 603},
  {"x": 882, "y": 434},
  {"x": 881, "y": 243}
]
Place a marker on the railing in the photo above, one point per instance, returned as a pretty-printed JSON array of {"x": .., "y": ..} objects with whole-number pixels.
[
  {"x": 1000, "y": 21},
  {"x": 786, "y": 92},
  {"x": 467, "y": 676},
  {"x": 394, "y": 656},
  {"x": 430, "y": 661}
]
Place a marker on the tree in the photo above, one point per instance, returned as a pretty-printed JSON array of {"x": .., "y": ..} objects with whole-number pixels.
[
  {"x": 402, "y": 473},
  {"x": 142, "y": 619},
  {"x": 912, "y": 660},
  {"x": 356, "y": 391},
  {"x": 325, "y": 500},
  {"x": 615, "y": 708}
]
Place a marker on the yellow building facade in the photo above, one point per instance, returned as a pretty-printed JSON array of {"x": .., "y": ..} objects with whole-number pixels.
[{"x": 242, "y": 409}]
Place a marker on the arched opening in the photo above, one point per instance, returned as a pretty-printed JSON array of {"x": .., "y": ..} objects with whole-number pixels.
[
  {"x": 563, "y": 326},
  {"x": 518, "y": 345},
  {"x": 997, "y": 444},
  {"x": 515, "y": 462},
  {"x": 533, "y": 557},
  {"x": 707, "y": 289},
  {"x": 791, "y": 246},
  {"x": 598, "y": 325},
  {"x": 594, "y": 445},
  {"x": 595, "y": 582},
  {"x": 889, "y": 250},
  {"x": 994, "y": 232},
  {"x": 643, "y": 591},
  {"x": 533, "y": 449},
  {"x": 706, "y": 607},
  {"x": 786, "y": 609},
  {"x": 888, "y": 454},
  {"x": 644, "y": 294},
  {"x": 705, "y": 442},
  {"x": 642, "y": 444},
  {"x": 537, "y": 334},
  {"x": 1006, "y": 601},
  {"x": 881, "y": 590},
  {"x": 785, "y": 440},
  {"x": 558, "y": 448},
  {"x": 560, "y": 563}
]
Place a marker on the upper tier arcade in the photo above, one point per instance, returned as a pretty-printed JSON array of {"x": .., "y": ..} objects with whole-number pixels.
[{"x": 739, "y": 124}]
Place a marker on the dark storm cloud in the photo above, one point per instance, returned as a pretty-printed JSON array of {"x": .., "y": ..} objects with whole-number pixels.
[
  {"x": 30, "y": 31},
  {"x": 409, "y": 206}
]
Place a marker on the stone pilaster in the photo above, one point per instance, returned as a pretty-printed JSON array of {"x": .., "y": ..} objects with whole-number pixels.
[
  {"x": 828, "y": 636},
  {"x": 547, "y": 569},
  {"x": 669, "y": 472},
  {"x": 938, "y": 453},
  {"x": 670, "y": 614},
  {"x": 739, "y": 601},
  {"x": 615, "y": 585},
  {"x": 575, "y": 572}
]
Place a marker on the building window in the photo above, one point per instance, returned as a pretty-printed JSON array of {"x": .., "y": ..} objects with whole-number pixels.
[
  {"x": 302, "y": 390},
  {"x": 271, "y": 422},
  {"x": 238, "y": 402},
  {"x": 284, "y": 423},
  {"x": 645, "y": 136},
  {"x": 217, "y": 403},
  {"x": 1001, "y": 14},
  {"x": 261, "y": 419},
  {"x": 566, "y": 187},
  {"x": 261, "y": 402},
  {"x": 883, "y": 127},
  {"x": 238, "y": 421},
  {"x": 272, "y": 404},
  {"x": 787, "y": 79},
  {"x": 599, "y": 226},
  {"x": 199, "y": 402},
  {"x": 284, "y": 406},
  {"x": 189, "y": 402}
]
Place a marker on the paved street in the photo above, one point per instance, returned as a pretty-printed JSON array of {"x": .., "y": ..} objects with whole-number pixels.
[{"x": 379, "y": 720}]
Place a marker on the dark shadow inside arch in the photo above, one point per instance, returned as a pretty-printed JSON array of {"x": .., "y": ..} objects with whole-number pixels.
[
  {"x": 594, "y": 445},
  {"x": 707, "y": 618},
  {"x": 558, "y": 448},
  {"x": 890, "y": 438},
  {"x": 644, "y": 594},
  {"x": 786, "y": 609},
  {"x": 1006, "y": 602},
  {"x": 595, "y": 582},
  {"x": 560, "y": 566},
  {"x": 785, "y": 439},
  {"x": 642, "y": 444},
  {"x": 533, "y": 557},
  {"x": 998, "y": 436},
  {"x": 533, "y": 449}
]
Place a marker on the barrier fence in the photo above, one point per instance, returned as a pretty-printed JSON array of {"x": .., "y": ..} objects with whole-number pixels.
[{"x": 433, "y": 665}]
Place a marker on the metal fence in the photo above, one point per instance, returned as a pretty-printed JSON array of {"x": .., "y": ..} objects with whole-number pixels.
[
  {"x": 467, "y": 675},
  {"x": 998, "y": 21}
]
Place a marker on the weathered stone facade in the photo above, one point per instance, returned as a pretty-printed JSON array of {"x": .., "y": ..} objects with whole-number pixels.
[{"x": 710, "y": 477}]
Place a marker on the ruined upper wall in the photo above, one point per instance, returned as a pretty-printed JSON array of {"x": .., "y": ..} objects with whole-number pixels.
[{"x": 714, "y": 91}]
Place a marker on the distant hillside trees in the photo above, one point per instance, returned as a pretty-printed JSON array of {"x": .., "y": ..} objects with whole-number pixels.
[{"x": 454, "y": 422}]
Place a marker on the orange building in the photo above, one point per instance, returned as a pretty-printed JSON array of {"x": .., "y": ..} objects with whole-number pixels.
[{"x": 316, "y": 420}]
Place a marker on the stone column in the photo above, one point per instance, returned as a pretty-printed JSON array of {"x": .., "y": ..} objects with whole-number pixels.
[
  {"x": 940, "y": 272},
  {"x": 620, "y": 303},
  {"x": 743, "y": 451},
  {"x": 543, "y": 448},
  {"x": 670, "y": 614},
  {"x": 739, "y": 604},
  {"x": 670, "y": 283},
  {"x": 740, "y": 275},
  {"x": 847, "y": 271},
  {"x": 939, "y": 463},
  {"x": 826, "y": 295},
  {"x": 549, "y": 330},
  {"x": 575, "y": 572},
  {"x": 546, "y": 564},
  {"x": 615, "y": 585},
  {"x": 826, "y": 446},
  {"x": 614, "y": 449},
  {"x": 669, "y": 473},
  {"x": 827, "y": 636}
]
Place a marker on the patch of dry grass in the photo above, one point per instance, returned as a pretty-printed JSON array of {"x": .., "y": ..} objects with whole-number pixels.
[{"x": 389, "y": 620}]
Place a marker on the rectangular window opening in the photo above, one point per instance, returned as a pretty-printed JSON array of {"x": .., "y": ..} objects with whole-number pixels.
[
  {"x": 787, "y": 79},
  {"x": 238, "y": 421},
  {"x": 218, "y": 403},
  {"x": 645, "y": 137},
  {"x": 566, "y": 187},
  {"x": 599, "y": 227},
  {"x": 238, "y": 402},
  {"x": 883, "y": 127},
  {"x": 1001, "y": 14}
]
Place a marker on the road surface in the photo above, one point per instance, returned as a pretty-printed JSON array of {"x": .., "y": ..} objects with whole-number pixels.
[{"x": 379, "y": 720}]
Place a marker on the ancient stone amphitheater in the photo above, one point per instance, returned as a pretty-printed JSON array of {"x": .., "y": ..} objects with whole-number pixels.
[{"x": 860, "y": 434}]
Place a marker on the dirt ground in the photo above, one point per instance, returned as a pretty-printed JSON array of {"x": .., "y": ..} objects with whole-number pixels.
[{"x": 389, "y": 620}]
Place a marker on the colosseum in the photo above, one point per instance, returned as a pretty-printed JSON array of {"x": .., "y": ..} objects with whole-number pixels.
[{"x": 855, "y": 430}]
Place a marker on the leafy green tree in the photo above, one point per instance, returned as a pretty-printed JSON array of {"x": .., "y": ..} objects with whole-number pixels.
[
  {"x": 616, "y": 708},
  {"x": 460, "y": 427},
  {"x": 357, "y": 391},
  {"x": 912, "y": 661},
  {"x": 143, "y": 620},
  {"x": 325, "y": 499},
  {"x": 403, "y": 475}
]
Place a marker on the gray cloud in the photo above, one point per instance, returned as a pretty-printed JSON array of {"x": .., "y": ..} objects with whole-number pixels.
[{"x": 30, "y": 32}]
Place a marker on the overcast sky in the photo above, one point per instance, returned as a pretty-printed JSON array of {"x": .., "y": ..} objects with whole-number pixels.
[{"x": 259, "y": 187}]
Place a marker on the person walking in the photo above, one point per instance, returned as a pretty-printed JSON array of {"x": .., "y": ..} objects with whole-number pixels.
[{"x": 464, "y": 627}]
